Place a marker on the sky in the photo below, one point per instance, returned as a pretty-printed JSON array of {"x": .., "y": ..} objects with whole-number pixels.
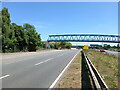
[{"x": 66, "y": 17}]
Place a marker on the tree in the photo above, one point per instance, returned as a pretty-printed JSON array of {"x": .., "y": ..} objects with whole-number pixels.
[
  {"x": 19, "y": 34},
  {"x": 106, "y": 46},
  {"x": 118, "y": 45},
  {"x": 7, "y": 42},
  {"x": 16, "y": 37},
  {"x": 52, "y": 44},
  {"x": 63, "y": 43},
  {"x": 68, "y": 45},
  {"x": 57, "y": 44},
  {"x": 33, "y": 37}
]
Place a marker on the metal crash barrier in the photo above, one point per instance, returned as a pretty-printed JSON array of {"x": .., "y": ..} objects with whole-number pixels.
[{"x": 97, "y": 80}]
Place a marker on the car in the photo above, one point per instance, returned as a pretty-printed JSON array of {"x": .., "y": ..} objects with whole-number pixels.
[{"x": 102, "y": 50}]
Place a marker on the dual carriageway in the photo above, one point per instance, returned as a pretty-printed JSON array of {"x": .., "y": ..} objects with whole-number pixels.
[{"x": 41, "y": 70}]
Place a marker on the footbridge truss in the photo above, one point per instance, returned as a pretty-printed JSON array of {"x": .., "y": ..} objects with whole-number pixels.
[{"x": 85, "y": 38}]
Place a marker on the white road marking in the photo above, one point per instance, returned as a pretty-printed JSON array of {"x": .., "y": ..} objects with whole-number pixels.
[
  {"x": 57, "y": 79},
  {"x": 4, "y": 76},
  {"x": 43, "y": 61}
]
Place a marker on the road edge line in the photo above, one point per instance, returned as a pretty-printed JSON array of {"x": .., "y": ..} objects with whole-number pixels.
[{"x": 60, "y": 75}]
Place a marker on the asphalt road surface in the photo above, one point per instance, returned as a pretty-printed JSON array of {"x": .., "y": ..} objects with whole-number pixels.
[
  {"x": 36, "y": 70},
  {"x": 113, "y": 53}
]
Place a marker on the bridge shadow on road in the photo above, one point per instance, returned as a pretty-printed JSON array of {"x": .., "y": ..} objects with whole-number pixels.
[{"x": 85, "y": 78}]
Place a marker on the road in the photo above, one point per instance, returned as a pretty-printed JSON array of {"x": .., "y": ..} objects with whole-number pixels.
[
  {"x": 113, "y": 53},
  {"x": 35, "y": 71}
]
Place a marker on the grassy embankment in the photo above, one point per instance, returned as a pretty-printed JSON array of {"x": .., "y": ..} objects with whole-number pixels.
[
  {"x": 71, "y": 78},
  {"x": 107, "y": 66}
]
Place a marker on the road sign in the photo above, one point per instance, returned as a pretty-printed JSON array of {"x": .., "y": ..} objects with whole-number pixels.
[{"x": 85, "y": 47}]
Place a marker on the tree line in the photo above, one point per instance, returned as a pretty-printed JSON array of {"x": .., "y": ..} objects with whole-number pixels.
[
  {"x": 16, "y": 37},
  {"x": 57, "y": 45},
  {"x": 24, "y": 37}
]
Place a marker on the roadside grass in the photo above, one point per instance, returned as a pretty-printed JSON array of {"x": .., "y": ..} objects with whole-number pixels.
[
  {"x": 71, "y": 78},
  {"x": 107, "y": 66}
]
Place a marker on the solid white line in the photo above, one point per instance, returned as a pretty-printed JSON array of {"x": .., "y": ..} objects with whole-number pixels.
[
  {"x": 57, "y": 79},
  {"x": 43, "y": 61},
  {"x": 4, "y": 76}
]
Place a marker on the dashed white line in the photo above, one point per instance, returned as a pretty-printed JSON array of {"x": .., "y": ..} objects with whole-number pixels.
[
  {"x": 4, "y": 76},
  {"x": 43, "y": 61}
]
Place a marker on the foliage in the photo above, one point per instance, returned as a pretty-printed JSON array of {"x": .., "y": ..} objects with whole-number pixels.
[
  {"x": 16, "y": 37},
  {"x": 57, "y": 45},
  {"x": 61, "y": 45}
]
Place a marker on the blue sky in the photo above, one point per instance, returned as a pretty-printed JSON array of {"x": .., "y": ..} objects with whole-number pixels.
[{"x": 66, "y": 17}]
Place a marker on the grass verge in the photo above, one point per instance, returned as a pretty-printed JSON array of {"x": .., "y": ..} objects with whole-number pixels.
[
  {"x": 71, "y": 78},
  {"x": 107, "y": 66}
]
